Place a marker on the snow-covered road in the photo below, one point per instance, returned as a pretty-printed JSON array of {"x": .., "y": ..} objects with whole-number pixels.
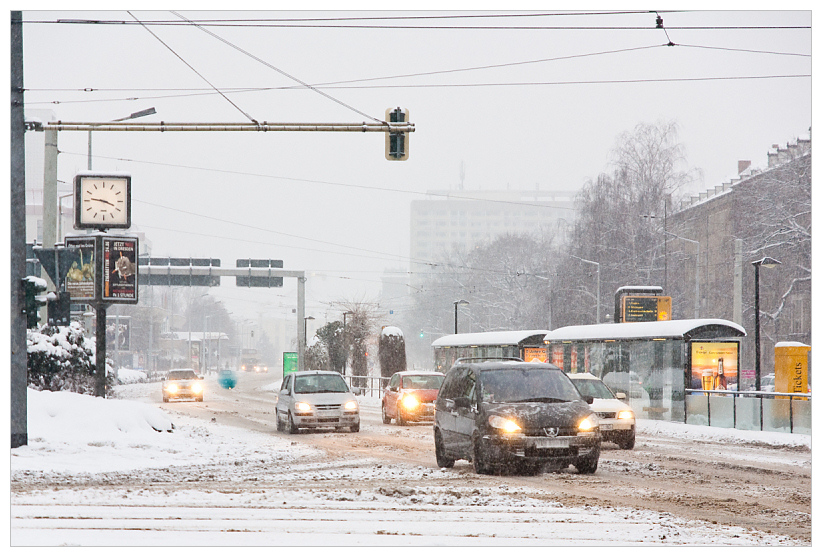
[{"x": 115, "y": 481}]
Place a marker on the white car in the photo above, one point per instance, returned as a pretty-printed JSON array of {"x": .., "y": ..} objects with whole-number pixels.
[
  {"x": 183, "y": 383},
  {"x": 316, "y": 399},
  {"x": 617, "y": 422}
]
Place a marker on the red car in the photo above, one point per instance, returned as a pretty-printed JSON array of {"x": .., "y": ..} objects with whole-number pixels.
[{"x": 410, "y": 396}]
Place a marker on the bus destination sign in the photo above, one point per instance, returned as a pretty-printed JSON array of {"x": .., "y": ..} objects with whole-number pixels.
[{"x": 646, "y": 308}]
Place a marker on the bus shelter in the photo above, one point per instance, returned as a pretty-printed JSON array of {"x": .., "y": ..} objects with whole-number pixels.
[
  {"x": 527, "y": 345},
  {"x": 654, "y": 362}
]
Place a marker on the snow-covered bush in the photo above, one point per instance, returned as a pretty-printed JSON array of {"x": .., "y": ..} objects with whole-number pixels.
[{"x": 62, "y": 359}]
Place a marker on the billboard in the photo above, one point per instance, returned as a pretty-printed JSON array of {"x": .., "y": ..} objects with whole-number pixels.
[
  {"x": 118, "y": 333},
  {"x": 120, "y": 269},
  {"x": 714, "y": 365}
]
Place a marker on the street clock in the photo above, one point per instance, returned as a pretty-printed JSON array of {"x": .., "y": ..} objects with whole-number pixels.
[{"x": 102, "y": 201}]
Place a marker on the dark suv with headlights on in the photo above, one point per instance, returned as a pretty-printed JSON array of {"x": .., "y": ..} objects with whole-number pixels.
[{"x": 504, "y": 413}]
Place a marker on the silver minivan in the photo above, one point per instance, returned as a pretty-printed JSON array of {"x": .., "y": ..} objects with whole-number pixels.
[{"x": 316, "y": 399}]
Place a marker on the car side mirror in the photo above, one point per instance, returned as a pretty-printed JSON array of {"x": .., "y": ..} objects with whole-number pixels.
[
  {"x": 462, "y": 402},
  {"x": 200, "y": 378},
  {"x": 394, "y": 389},
  {"x": 589, "y": 399},
  {"x": 620, "y": 396}
]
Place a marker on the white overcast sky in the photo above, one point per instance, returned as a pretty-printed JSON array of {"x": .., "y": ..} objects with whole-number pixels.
[{"x": 516, "y": 107}]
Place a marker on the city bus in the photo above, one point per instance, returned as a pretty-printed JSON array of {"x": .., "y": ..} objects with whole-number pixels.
[{"x": 528, "y": 345}]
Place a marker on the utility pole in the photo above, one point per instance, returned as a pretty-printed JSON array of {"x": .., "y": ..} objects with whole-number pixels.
[{"x": 18, "y": 372}]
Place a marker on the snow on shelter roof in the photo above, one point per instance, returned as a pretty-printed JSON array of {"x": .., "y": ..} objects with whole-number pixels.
[
  {"x": 491, "y": 338},
  {"x": 675, "y": 329}
]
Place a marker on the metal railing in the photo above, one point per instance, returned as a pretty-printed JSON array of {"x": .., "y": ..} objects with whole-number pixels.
[
  {"x": 366, "y": 384},
  {"x": 759, "y": 395}
]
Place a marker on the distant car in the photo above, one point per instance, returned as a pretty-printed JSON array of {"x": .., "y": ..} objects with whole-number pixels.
[
  {"x": 617, "y": 422},
  {"x": 316, "y": 399},
  {"x": 183, "y": 383},
  {"x": 410, "y": 396},
  {"x": 767, "y": 383},
  {"x": 514, "y": 414},
  {"x": 260, "y": 367},
  {"x": 227, "y": 379}
]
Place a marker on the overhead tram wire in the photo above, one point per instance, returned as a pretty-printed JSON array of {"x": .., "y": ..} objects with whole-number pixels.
[
  {"x": 402, "y": 76},
  {"x": 323, "y": 182},
  {"x": 278, "y": 70},
  {"x": 244, "y": 113},
  {"x": 300, "y": 25},
  {"x": 445, "y": 86}
]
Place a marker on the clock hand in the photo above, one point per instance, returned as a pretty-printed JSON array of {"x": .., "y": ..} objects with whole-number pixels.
[{"x": 102, "y": 201}]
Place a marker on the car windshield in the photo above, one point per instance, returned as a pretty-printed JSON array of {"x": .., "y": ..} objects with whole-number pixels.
[
  {"x": 527, "y": 385},
  {"x": 305, "y": 384},
  {"x": 181, "y": 374},
  {"x": 422, "y": 381},
  {"x": 592, "y": 387}
]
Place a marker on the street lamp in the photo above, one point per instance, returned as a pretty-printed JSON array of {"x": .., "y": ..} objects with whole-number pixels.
[
  {"x": 769, "y": 263},
  {"x": 305, "y": 328},
  {"x": 132, "y": 116},
  {"x": 696, "y": 273},
  {"x": 456, "y": 304},
  {"x": 598, "y": 282}
]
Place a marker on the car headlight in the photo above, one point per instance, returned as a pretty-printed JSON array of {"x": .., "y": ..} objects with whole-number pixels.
[
  {"x": 588, "y": 424},
  {"x": 505, "y": 424},
  {"x": 302, "y": 407},
  {"x": 172, "y": 387},
  {"x": 410, "y": 402},
  {"x": 196, "y": 388},
  {"x": 351, "y": 405},
  {"x": 625, "y": 415}
]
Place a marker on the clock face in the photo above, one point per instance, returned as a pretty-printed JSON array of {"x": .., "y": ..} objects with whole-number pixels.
[{"x": 102, "y": 202}]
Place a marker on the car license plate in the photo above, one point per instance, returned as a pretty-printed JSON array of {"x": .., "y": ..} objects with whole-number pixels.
[
  {"x": 606, "y": 427},
  {"x": 551, "y": 443}
]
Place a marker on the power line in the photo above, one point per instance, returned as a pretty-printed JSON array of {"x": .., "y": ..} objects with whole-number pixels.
[
  {"x": 278, "y": 70},
  {"x": 447, "y": 196},
  {"x": 454, "y": 86},
  {"x": 305, "y": 25},
  {"x": 194, "y": 70}
]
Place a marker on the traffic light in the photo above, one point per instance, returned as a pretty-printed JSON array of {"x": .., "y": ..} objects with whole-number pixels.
[
  {"x": 60, "y": 310},
  {"x": 33, "y": 288},
  {"x": 396, "y": 143},
  {"x": 422, "y": 334}
]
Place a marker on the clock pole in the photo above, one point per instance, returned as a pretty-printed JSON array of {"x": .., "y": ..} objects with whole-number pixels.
[{"x": 100, "y": 356}]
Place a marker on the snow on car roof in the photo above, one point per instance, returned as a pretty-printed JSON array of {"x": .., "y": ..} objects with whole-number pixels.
[
  {"x": 586, "y": 376},
  {"x": 679, "y": 328},
  {"x": 488, "y": 338}
]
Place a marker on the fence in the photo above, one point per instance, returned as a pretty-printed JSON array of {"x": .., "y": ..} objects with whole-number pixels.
[
  {"x": 749, "y": 410},
  {"x": 366, "y": 384}
]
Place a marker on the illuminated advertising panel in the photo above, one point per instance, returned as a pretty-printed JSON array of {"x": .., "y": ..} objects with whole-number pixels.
[
  {"x": 714, "y": 365},
  {"x": 120, "y": 269},
  {"x": 538, "y": 353}
]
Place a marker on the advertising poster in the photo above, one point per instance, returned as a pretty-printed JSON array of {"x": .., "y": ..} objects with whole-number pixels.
[
  {"x": 120, "y": 270},
  {"x": 79, "y": 279},
  {"x": 531, "y": 353},
  {"x": 714, "y": 365},
  {"x": 289, "y": 362}
]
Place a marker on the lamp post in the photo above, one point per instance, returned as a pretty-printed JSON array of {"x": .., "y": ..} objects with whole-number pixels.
[
  {"x": 696, "y": 273},
  {"x": 769, "y": 263},
  {"x": 345, "y": 339},
  {"x": 305, "y": 328},
  {"x": 598, "y": 281},
  {"x": 132, "y": 116},
  {"x": 456, "y": 304}
]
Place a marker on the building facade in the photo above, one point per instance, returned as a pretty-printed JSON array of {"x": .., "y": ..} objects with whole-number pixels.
[
  {"x": 762, "y": 213},
  {"x": 463, "y": 219}
]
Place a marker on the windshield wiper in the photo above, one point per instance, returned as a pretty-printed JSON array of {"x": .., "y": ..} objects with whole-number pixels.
[{"x": 541, "y": 399}]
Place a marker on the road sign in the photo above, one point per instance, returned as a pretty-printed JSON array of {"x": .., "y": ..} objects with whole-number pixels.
[
  {"x": 257, "y": 281},
  {"x": 176, "y": 276}
]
